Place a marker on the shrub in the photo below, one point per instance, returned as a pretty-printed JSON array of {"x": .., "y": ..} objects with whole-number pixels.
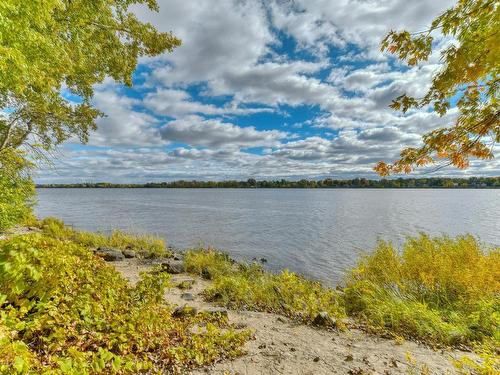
[
  {"x": 65, "y": 311},
  {"x": 249, "y": 286},
  {"x": 16, "y": 189},
  {"x": 440, "y": 290},
  {"x": 144, "y": 245}
]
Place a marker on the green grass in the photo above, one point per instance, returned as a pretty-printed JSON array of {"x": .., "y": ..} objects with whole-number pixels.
[
  {"x": 442, "y": 291},
  {"x": 65, "y": 311},
  {"x": 145, "y": 246},
  {"x": 250, "y": 287}
]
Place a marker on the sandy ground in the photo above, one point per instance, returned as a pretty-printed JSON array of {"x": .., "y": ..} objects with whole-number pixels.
[{"x": 282, "y": 346}]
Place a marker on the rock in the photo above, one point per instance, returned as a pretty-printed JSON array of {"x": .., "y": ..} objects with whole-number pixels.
[
  {"x": 206, "y": 274},
  {"x": 281, "y": 319},
  {"x": 324, "y": 320},
  {"x": 262, "y": 346},
  {"x": 219, "y": 311},
  {"x": 316, "y": 359},
  {"x": 177, "y": 256},
  {"x": 187, "y": 296},
  {"x": 263, "y": 260},
  {"x": 348, "y": 358},
  {"x": 109, "y": 255},
  {"x": 173, "y": 266},
  {"x": 183, "y": 311},
  {"x": 127, "y": 253}
]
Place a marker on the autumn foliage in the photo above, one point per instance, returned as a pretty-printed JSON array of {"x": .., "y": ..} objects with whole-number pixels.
[{"x": 469, "y": 79}]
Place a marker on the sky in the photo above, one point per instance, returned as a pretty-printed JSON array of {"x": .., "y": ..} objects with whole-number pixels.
[{"x": 263, "y": 89}]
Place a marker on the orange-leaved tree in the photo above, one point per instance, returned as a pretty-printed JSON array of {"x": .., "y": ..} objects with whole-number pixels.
[{"x": 468, "y": 79}]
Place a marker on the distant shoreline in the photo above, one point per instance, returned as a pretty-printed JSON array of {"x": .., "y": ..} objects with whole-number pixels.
[{"x": 357, "y": 183}]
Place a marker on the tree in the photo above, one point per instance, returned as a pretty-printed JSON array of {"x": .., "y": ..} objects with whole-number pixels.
[
  {"x": 469, "y": 76},
  {"x": 53, "y": 50},
  {"x": 52, "y": 53},
  {"x": 16, "y": 188}
]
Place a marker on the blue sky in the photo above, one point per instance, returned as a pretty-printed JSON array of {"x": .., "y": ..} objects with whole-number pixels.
[{"x": 262, "y": 89}]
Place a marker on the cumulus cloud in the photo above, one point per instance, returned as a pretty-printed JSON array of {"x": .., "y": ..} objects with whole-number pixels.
[
  {"x": 196, "y": 131},
  {"x": 123, "y": 124},
  {"x": 324, "y": 24},
  {"x": 176, "y": 103}
]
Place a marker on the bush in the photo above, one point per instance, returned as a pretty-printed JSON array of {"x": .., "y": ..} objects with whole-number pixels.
[
  {"x": 65, "y": 311},
  {"x": 249, "y": 286},
  {"x": 146, "y": 246},
  {"x": 440, "y": 290},
  {"x": 16, "y": 189}
]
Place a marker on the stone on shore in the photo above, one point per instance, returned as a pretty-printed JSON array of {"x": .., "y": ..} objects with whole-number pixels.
[
  {"x": 173, "y": 266},
  {"x": 177, "y": 256},
  {"x": 183, "y": 311},
  {"x": 127, "y": 253},
  {"x": 187, "y": 296},
  {"x": 323, "y": 319},
  {"x": 109, "y": 255}
]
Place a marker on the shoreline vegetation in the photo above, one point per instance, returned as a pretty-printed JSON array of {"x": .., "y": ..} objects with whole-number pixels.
[
  {"x": 63, "y": 304},
  {"x": 398, "y": 183}
]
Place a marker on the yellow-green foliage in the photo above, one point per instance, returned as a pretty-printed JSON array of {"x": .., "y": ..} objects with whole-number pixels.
[
  {"x": 65, "y": 311},
  {"x": 144, "y": 245},
  {"x": 17, "y": 190},
  {"x": 440, "y": 290},
  {"x": 250, "y": 287},
  {"x": 488, "y": 363},
  {"x": 209, "y": 263}
]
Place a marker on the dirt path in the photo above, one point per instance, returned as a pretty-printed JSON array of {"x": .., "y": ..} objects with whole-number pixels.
[{"x": 282, "y": 346}]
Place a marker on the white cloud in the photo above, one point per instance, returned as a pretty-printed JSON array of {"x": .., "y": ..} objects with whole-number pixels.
[
  {"x": 321, "y": 24},
  {"x": 123, "y": 123},
  {"x": 196, "y": 131},
  {"x": 176, "y": 103}
]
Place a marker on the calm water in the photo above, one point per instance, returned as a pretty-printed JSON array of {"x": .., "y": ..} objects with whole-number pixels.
[{"x": 318, "y": 233}]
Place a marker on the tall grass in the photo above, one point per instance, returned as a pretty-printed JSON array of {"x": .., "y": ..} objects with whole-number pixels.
[
  {"x": 147, "y": 246},
  {"x": 250, "y": 287},
  {"x": 439, "y": 290}
]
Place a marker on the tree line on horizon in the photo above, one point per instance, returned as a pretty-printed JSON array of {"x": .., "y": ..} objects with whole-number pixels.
[{"x": 433, "y": 182}]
